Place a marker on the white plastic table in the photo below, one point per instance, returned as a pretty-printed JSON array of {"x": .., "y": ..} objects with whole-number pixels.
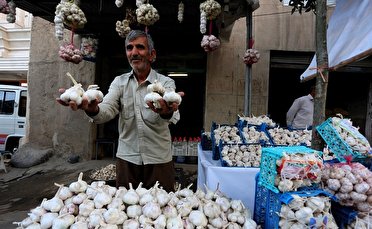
[{"x": 234, "y": 182}]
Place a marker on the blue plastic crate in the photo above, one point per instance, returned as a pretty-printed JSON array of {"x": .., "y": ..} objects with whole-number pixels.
[
  {"x": 343, "y": 215},
  {"x": 268, "y": 168},
  {"x": 268, "y": 204},
  {"x": 334, "y": 141},
  {"x": 215, "y": 149},
  {"x": 260, "y": 128},
  {"x": 223, "y": 162}
]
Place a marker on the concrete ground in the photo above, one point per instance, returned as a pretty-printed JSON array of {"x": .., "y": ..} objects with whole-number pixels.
[{"x": 22, "y": 189}]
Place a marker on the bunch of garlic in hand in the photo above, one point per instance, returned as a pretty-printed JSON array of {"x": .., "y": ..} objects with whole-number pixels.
[
  {"x": 74, "y": 93},
  {"x": 155, "y": 93},
  {"x": 93, "y": 93},
  {"x": 147, "y": 14}
]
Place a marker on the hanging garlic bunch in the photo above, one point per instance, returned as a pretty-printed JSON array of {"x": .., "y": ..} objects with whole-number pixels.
[
  {"x": 210, "y": 43},
  {"x": 72, "y": 15},
  {"x": 123, "y": 28},
  {"x": 147, "y": 14},
  {"x": 181, "y": 8},
  {"x": 70, "y": 54},
  {"x": 251, "y": 56},
  {"x": 203, "y": 22},
  {"x": 211, "y": 8},
  {"x": 119, "y": 3},
  {"x": 11, "y": 16},
  {"x": 4, "y": 7},
  {"x": 88, "y": 47}
]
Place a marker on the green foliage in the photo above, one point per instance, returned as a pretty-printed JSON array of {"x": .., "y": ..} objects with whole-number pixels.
[{"x": 300, "y": 5}]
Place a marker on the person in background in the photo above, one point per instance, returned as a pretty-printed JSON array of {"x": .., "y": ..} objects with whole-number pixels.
[
  {"x": 300, "y": 114},
  {"x": 144, "y": 144}
]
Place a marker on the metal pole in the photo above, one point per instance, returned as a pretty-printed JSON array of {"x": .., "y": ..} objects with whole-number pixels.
[{"x": 248, "y": 70}]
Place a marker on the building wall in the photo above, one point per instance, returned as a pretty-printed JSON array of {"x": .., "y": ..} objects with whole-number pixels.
[
  {"x": 51, "y": 125},
  {"x": 274, "y": 28}
]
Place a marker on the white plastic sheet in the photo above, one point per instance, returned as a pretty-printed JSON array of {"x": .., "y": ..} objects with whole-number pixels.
[{"x": 349, "y": 35}]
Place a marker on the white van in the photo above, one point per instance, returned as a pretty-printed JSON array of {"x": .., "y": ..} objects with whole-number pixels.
[{"x": 13, "y": 100}]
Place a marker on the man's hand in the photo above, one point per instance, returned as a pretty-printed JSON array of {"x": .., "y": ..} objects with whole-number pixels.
[
  {"x": 91, "y": 107},
  {"x": 165, "y": 110}
]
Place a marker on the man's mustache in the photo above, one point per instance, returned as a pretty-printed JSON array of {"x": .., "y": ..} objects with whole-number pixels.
[{"x": 136, "y": 58}]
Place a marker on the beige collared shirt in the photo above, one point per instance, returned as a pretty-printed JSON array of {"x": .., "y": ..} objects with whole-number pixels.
[{"x": 144, "y": 137}]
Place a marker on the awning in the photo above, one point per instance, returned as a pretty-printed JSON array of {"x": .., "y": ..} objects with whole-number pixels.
[{"x": 349, "y": 35}]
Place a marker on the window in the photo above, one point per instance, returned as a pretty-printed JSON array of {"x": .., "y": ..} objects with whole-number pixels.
[
  {"x": 22, "y": 104},
  {"x": 7, "y": 102}
]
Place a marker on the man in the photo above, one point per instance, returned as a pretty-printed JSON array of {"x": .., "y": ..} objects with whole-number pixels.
[
  {"x": 144, "y": 145},
  {"x": 300, "y": 114}
]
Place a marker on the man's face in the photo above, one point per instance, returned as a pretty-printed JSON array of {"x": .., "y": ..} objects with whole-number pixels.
[{"x": 139, "y": 55}]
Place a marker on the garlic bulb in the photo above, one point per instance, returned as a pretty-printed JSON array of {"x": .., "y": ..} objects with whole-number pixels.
[
  {"x": 93, "y": 93},
  {"x": 210, "y": 43},
  {"x": 131, "y": 197},
  {"x": 251, "y": 56},
  {"x": 63, "y": 221},
  {"x": 153, "y": 98},
  {"x": 79, "y": 186},
  {"x": 47, "y": 219},
  {"x": 119, "y": 3},
  {"x": 151, "y": 210},
  {"x": 172, "y": 97}
]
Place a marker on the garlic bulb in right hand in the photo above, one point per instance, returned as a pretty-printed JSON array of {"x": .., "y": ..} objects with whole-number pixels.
[
  {"x": 172, "y": 97},
  {"x": 93, "y": 93}
]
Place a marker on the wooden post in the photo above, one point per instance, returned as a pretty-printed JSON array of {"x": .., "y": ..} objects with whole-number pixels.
[
  {"x": 368, "y": 129},
  {"x": 322, "y": 75}
]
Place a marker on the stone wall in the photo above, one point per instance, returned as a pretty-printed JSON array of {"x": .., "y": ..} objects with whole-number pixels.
[{"x": 50, "y": 125}]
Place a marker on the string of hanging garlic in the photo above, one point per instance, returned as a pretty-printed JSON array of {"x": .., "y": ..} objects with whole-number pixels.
[
  {"x": 70, "y": 53},
  {"x": 4, "y": 7},
  {"x": 283, "y": 136},
  {"x": 105, "y": 173},
  {"x": 203, "y": 22},
  {"x": 181, "y": 8},
  {"x": 298, "y": 169},
  {"x": 156, "y": 91},
  {"x": 210, "y": 43},
  {"x": 253, "y": 120},
  {"x": 350, "y": 183},
  {"x": 89, "y": 47},
  {"x": 251, "y": 56},
  {"x": 242, "y": 155},
  {"x": 147, "y": 14},
  {"x": 123, "y": 28},
  {"x": 211, "y": 8},
  {"x": 58, "y": 26},
  {"x": 103, "y": 206},
  {"x": 76, "y": 92},
  {"x": 228, "y": 134},
  {"x": 307, "y": 212}
]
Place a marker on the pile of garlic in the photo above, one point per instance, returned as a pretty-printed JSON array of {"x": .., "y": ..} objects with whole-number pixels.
[
  {"x": 242, "y": 155},
  {"x": 227, "y": 134},
  {"x": 252, "y": 135},
  {"x": 282, "y": 136},
  {"x": 362, "y": 221},
  {"x": 71, "y": 14},
  {"x": 351, "y": 135},
  {"x": 300, "y": 169},
  {"x": 70, "y": 54},
  {"x": 105, "y": 173},
  {"x": 350, "y": 183},
  {"x": 307, "y": 212},
  {"x": 251, "y": 56},
  {"x": 210, "y": 43},
  {"x": 76, "y": 92},
  {"x": 253, "y": 120},
  {"x": 98, "y": 205},
  {"x": 147, "y": 14},
  {"x": 156, "y": 91}
]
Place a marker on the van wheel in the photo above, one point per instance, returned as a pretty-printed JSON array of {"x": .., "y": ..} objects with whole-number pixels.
[{"x": 12, "y": 146}]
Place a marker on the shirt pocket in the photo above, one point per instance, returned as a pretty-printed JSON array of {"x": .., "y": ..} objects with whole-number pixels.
[
  {"x": 127, "y": 105},
  {"x": 150, "y": 116}
]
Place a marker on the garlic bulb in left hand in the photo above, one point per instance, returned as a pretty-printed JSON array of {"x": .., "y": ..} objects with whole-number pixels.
[{"x": 172, "y": 97}]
